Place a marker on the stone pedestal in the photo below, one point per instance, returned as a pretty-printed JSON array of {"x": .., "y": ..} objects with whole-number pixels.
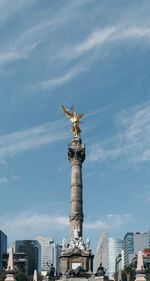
[
  {"x": 10, "y": 267},
  {"x": 10, "y": 277},
  {"x": 140, "y": 276},
  {"x": 140, "y": 271}
]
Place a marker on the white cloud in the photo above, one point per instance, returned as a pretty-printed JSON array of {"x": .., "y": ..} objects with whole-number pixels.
[
  {"x": 52, "y": 83},
  {"x": 110, "y": 35},
  {"x": 97, "y": 38},
  {"x": 8, "y": 10},
  {"x": 98, "y": 111},
  {"x": 27, "y": 225},
  {"x": 17, "y": 53},
  {"x": 21, "y": 45},
  {"x": 30, "y": 225},
  {"x": 61, "y": 17},
  {"x": 109, "y": 221},
  {"x": 3, "y": 180},
  {"x": 16, "y": 142},
  {"x": 131, "y": 140},
  {"x": 16, "y": 178}
]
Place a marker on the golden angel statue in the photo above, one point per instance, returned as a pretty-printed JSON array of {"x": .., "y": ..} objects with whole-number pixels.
[{"x": 74, "y": 118}]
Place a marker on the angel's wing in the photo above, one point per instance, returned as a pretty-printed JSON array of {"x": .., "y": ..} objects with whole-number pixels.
[
  {"x": 80, "y": 115},
  {"x": 67, "y": 112}
]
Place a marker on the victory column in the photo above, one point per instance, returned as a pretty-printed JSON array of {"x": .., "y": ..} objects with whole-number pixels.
[{"x": 77, "y": 254}]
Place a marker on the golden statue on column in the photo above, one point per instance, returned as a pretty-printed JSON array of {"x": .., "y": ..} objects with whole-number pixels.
[{"x": 74, "y": 118}]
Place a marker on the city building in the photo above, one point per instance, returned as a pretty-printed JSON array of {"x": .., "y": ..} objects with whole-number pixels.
[
  {"x": 33, "y": 250},
  {"x": 49, "y": 253},
  {"x": 102, "y": 250},
  {"x": 120, "y": 262},
  {"x": 134, "y": 242},
  {"x": 146, "y": 258},
  {"x": 115, "y": 247},
  {"x": 20, "y": 261},
  {"x": 3, "y": 246},
  {"x": 108, "y": 249},
  {"x": 128, "y": 248}
]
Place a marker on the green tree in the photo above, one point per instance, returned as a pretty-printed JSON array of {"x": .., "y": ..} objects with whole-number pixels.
[
  {"x": 20, "y": 276},
  {"x": 129, "y": 273},
  {"x": 2, "y": 275}
]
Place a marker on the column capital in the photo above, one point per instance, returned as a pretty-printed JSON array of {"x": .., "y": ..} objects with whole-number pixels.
[
  {"x": 76, "y": 155},
  {"x": 76, "y": 152}
]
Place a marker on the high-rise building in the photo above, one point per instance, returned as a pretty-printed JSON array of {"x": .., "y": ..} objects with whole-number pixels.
[
  {"x": 108, "y": 249},
  {"x": 3, "y": 245},
  {"x": 102, "y": 250},
  {"x": 49, "y": 253},
  {"x": 128, "y": 248},
  {"x": 20, "y": 261},
  {"x": 134, "y": 242},
  {"x": 32, "y": 249},
  {"x": 115, "y": 246}
]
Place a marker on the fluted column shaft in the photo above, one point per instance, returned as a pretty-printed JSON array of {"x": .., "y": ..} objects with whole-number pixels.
[{"x": 76, "y": 155}]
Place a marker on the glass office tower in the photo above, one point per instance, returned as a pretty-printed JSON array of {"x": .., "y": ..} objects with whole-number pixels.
[
  {"x": 3, "y": 245},
  {"x": 33, "y": 250},
  {"x": 49, "y": 253},
  {"x": 134, "y": 242},
  {"x": 115, "y": 246}
]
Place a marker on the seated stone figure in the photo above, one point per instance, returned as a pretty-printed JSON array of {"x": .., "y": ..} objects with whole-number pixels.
[{"x": 100, "y": 271}]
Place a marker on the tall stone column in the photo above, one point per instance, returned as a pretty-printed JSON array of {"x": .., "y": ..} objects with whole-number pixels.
[
  {"x": 76, "y": 255},
  {"x": 76, "y": 155}
]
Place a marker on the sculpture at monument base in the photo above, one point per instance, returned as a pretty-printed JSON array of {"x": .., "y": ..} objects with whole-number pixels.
[
  {"x": 100, "y": 271},
  {"x": 76, "y": 258},
  {"x": 140, "y": 271},
  {"x": 50, "y": 276}
]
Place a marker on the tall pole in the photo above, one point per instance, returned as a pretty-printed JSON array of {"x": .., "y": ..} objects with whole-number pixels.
[{"x": 76, "y": 156}]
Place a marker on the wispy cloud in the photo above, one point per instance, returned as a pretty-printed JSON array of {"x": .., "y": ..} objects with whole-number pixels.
[
  {"x": 131, "y": 140},
  {"x": 107, "y": 35},
  {"x": 52, "y": 83},
  {"x": 17, "y": 53},
  {"x": 98, "y": 111},
  {"x": 95, "y": 39},
  {"x": 28, "y": 226},
  {"x": 21, "y": 45},
  {"x": 62, "y": 17},
  {"x": 3, "y": 180},
  {"x": 16, "y": 178},
  {"x": 16, "y": 142},
  {"x": 8, "y": 10},
  {"x": 109, "y": 221}
]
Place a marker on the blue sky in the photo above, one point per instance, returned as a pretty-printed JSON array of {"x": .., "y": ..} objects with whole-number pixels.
[{"x": 92, "y": 54}]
